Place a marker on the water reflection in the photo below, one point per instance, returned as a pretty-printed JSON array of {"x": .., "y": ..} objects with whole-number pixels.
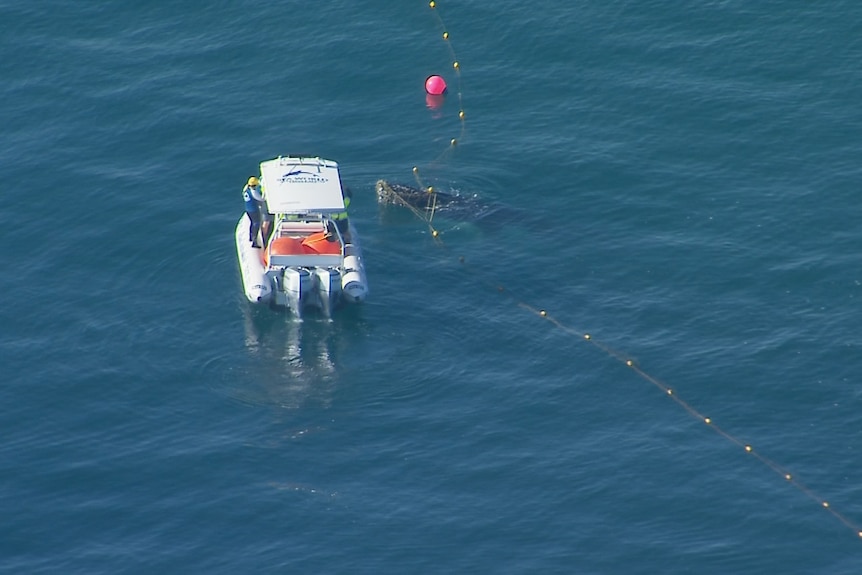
[
  {"x": 287, "y": 362},
  {"x": 435, "y": 102}
]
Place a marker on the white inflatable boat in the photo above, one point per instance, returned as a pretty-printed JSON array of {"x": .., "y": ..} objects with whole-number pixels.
[{"x": 305, "y": 259}]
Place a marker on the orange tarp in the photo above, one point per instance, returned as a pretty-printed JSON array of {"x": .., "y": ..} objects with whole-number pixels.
[
  {"x": 318, "y": 244},
  {"x": 313, "y": 244},
  {"x": 286, "y": 247}
]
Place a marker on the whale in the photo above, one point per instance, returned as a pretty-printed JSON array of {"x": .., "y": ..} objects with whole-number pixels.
[
  {"x": 448, "y": 205},
  {"x": 416, "y": 198}
]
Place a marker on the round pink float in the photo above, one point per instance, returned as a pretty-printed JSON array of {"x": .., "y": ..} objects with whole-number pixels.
[{"x": 435, "y": 85}]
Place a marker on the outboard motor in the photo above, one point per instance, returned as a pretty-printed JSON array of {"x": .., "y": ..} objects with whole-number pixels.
[
  {"x": 353, "y": 282},
  {"x": 297, "y": 286},
  {"x": 328, "y": 288},
  {"x": 277, "y": 281}
]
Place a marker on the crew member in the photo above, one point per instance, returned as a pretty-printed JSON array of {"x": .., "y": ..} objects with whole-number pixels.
[
  {"x": 341, "y": 219},
  {"x": 253, "y": 199}
]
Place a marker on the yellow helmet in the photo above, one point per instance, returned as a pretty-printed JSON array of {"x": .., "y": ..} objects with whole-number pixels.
[{"x": 252, "y": 181}]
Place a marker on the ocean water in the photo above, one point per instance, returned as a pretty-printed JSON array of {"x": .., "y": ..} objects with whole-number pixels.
[{"x": 679, "y": 180}]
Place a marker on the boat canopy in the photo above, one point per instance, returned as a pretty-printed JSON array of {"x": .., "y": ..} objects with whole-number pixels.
[{"x": 293, "y": 185}]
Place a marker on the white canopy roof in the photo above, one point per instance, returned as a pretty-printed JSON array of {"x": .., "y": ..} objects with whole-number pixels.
[{"x": 301, "y": 185}]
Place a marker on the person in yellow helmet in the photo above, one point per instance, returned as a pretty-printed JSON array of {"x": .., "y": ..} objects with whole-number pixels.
[{"x": 253, "y": 199}]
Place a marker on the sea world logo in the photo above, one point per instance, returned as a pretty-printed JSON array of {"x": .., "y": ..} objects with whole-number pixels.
[{"x": 302, "y": 177}]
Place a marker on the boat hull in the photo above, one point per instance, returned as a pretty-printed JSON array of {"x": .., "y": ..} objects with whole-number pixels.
[
  {"x": 256, "y": 285},
  {"x": 311, "y": 284}
]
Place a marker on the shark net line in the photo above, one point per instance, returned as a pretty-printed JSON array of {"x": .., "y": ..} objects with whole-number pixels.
[
  {"x": 456, "y": 67},
  {"x": 397, "y": 194},
  {"x": 426, "y": 215}
]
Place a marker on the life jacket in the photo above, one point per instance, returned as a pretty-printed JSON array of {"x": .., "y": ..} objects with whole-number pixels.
[
  {"x": 342, "y": 215},
  {"x": 251, "y": 203}
]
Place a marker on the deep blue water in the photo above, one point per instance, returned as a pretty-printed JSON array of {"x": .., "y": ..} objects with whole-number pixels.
[{"x": 678, "y": 179}]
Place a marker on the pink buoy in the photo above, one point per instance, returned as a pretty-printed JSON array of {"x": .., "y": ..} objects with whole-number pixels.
[{"x": 435, "y": 85}]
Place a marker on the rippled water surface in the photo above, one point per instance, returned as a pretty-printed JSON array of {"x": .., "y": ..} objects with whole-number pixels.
[{"x": 678, "y": 180}]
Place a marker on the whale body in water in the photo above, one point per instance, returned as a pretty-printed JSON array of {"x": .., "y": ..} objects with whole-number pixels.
[
  {"x": 444, "y": 204},
  {"x": 416, "y": 198}
]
